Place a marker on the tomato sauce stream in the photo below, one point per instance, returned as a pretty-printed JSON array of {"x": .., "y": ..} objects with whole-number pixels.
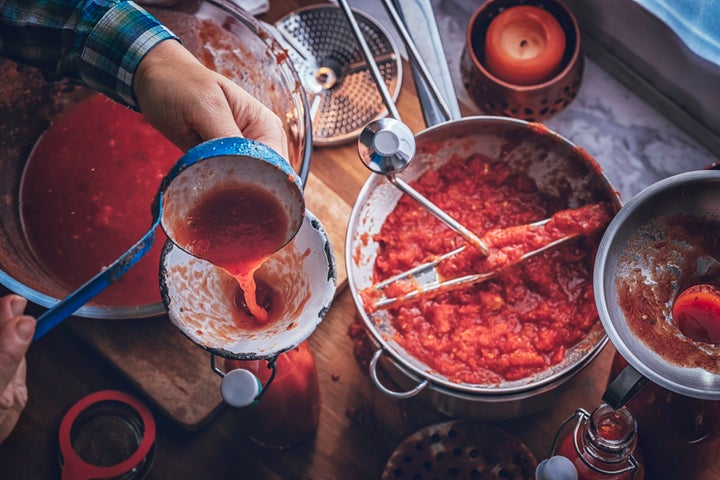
[{"x": 237, "y": 227}]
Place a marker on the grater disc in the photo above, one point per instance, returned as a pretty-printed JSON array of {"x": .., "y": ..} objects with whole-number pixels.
[
  {"x": 333, "y": 70},
  {"x": 459, "y": 449}
]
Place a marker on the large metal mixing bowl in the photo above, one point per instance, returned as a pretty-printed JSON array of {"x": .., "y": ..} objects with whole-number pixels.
[
  {"x": 561, "y": 171},
  {"x": 222, "y": 36}
]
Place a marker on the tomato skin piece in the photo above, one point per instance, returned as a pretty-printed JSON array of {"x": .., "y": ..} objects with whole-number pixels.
[{"x": 696, "y": 312}]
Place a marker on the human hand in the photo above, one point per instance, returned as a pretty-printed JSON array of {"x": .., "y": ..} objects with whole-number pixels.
[
  {"x": 189, "y": 103},
  {"x": 16, "y": 332}
]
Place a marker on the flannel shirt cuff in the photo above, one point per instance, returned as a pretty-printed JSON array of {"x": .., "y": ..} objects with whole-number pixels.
[{"x": 111, "y": 54}]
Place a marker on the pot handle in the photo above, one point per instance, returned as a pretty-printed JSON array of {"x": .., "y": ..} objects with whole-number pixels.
[
  {"x": 392, "y": 393},
  {"x": 624, "y": 387}
]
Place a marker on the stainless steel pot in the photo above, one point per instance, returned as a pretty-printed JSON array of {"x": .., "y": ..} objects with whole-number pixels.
[
  {"x": 561, "y": 170},
  {"x": 693, "y": 194}
]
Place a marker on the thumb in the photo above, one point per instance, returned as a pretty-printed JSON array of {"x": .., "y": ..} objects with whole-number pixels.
[{"x": 16, "y": 332}]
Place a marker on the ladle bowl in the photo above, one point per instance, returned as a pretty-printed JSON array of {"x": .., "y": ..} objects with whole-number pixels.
[
  {"x": 634, "y": 248},
  {"x": 209, "y": 167},
  {"x": 200, "y": 296},
  {"x": 229, "y": 162}
]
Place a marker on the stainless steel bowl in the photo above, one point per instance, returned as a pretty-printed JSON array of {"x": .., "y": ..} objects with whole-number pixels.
[
  {"x": 28, "y": 105},
  {"x": 561, "y": 170},
  {"x": 618, "y": 265}
]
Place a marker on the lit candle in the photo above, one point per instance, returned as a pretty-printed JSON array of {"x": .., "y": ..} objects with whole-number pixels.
[{"x": 524, "y": 45}]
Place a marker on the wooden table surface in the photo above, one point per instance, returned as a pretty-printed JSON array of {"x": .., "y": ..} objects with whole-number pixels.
[{"x": 359, "y": 426}]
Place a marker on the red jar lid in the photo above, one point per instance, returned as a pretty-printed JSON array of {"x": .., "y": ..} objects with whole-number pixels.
[{"x": 107, "y": 434}]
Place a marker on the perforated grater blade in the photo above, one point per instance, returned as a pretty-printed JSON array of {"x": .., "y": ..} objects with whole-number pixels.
[{"x": 332, "y": 68}]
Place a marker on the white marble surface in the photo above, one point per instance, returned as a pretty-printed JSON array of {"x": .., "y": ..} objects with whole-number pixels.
[{"x": 635, "y": 144}]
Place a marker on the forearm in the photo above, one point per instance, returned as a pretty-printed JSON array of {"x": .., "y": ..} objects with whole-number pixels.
[{"x": 80, "y": 41}]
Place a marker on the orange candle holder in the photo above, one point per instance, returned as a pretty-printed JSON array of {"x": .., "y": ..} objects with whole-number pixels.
[{"x": 522, "y": 58}]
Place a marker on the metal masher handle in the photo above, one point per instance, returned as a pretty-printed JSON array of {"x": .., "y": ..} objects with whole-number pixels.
[
  {"x": 372, "y": 64},
  {"x": 368, "y": 148},
  {"x": 429, "y": 291},
  {"x": 413, "y": 53}
]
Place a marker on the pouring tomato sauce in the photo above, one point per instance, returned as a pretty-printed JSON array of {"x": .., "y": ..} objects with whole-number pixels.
[{"x": 237, "y": 227}]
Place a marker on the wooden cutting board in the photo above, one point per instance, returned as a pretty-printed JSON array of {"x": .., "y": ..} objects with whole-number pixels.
[{"x": 174, "y": 373}]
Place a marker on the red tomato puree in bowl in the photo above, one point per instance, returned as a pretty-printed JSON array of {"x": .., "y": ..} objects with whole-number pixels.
[
  {"x": 86, "y": 196},
  {"x": 515, "y": 325}
]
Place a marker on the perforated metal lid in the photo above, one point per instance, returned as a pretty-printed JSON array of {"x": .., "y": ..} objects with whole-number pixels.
[
  {"x": 459, "y": 449},
  {"x": 333, "y": 70}
]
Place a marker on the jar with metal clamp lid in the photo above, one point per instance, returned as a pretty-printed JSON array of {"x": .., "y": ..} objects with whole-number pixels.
[
  {"x": 680, "y": 435},
  {"x": 280, "y": 397},
  {"x": 601, "y": 445}
]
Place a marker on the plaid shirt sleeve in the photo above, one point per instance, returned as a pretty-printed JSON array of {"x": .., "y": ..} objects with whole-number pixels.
[{"x": 98, "y": 43}]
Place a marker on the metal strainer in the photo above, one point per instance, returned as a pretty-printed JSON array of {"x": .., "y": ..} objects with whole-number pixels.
[{"x": 333, "y": 70}]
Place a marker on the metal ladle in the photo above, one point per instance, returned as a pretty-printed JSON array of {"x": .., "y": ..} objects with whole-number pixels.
[
  {"x": 228, "y": 162},
  {"x": 253, "y": 163},
  {"x": 387, "y": 146}
]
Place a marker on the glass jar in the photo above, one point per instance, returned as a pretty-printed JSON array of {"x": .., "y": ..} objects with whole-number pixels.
[
  {"x": 601, "y": 446},
  {"x": 287, "y": 409},
  {"x": 679, "y": 435}
]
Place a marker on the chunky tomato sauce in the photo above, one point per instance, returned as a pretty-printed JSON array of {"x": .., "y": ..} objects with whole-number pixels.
[
  {"x": 237, "y": 227},
  {"x": 86, "y": 196},
  {"x": 516, "y": 324}
]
